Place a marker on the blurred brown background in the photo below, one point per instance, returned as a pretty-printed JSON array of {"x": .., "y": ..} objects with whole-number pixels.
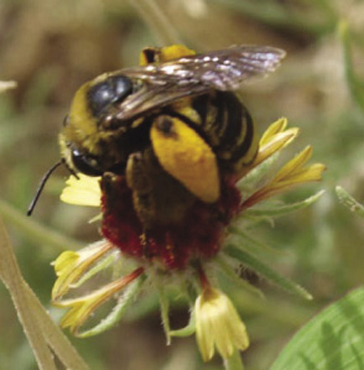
[{"x": 50, "y": 48}]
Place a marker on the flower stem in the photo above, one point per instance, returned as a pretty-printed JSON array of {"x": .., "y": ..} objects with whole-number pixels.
[
  {"x": 157, "y": 20},
  {"x": 234, "y": 362},
  {"x": 42, "y": 333}
]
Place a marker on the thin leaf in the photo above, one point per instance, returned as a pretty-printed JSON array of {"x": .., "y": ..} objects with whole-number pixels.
[
  {"x": 273, "y": 13},
  {"x": 349, "y": 202},
  {"x": 39, "y": 328},
  {"x": 33, "y": 230},
  {"x": 118, "y": 311},
  {"x": 260, "y": 267},
  {"x": 334, "y": 339},
  {"x": 187, "y": 331},
  {"x": 355, "y": 85},
  {"x": 256, "y": 174},
  {"x": 102, "y": 264},
  {"x": 231, "y": 274},
  {"x": 164, "y": 305},
  {"x": 283, "y": 210},
  {"x": 13, "y": 280},
  {"x": 158, "y": 21},
  {"x": 249, "y": 244}
]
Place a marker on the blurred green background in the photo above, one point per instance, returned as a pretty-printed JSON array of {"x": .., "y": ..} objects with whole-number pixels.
[{"x": 51, "y": 47}]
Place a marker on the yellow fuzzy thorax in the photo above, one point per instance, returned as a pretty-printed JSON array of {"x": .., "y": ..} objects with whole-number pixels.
[{"x": 182, "y": 153}]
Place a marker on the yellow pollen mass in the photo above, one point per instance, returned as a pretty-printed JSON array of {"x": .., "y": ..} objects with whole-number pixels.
[{"x": 187, "y": 157}]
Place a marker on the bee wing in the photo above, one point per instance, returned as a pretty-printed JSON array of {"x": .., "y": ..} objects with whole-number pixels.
[{"x": 223, "y": 70}]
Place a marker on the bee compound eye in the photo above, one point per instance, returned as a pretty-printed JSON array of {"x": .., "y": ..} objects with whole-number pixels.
[
  {"x": 86, "y": 164},
  {"x": 113, "y": 89}
]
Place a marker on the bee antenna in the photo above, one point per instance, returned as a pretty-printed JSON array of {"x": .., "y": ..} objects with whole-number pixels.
[
  {"x": 69, "y": 169},
  {"x": 41, "y": 186}
]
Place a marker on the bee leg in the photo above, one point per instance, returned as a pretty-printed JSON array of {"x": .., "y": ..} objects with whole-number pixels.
[{"x": 139, "y": 181}]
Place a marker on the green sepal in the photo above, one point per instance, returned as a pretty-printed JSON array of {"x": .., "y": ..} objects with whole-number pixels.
[
  {"x": 264, "y": 270},
  {"x": 282, "y": 210},
  {"x": 231, "y": 274},
  {"x": 118, "y": 311},
  {"x": 234, "y": 362},
  {"x": 256, "y": 174},
  {"x": 100, "y": 265},
  {"x": 96, "y": 218},
  {"x": 164, "y": 306},
  {"x": 249, "y": 243},
  {"x": 349, "y": 202},
  {"x": 187, "y": 331}
]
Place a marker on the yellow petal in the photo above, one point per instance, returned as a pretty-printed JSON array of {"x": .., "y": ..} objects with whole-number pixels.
[
  {"x": 294, "y": 165},
  {"x": 275, "y": 128},
  {"x": 84, "y": 191},
  {"x": 218, "y": 325},
  {"x": 275, "y": 144},
  {"x": 80, "y": 309},
  {"x": 70, "y": 266}
]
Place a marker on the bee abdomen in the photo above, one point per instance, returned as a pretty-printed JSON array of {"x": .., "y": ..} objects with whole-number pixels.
[{"x": 228, "y": 127}]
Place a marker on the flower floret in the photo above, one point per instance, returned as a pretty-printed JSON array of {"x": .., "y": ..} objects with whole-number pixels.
[
  {"x": 80, "y": 309},
  {"x": 83, "y": 191},
  {"x": 218, "y": 325},
  {"x": 290, "y": 175},
  {"x": 70, "y": 266}
]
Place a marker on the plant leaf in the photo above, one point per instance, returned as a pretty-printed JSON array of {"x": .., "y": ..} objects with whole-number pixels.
[
  {"x": 334, "y": 339},
  {"x": 231, "y": 275},
  {"x": 39, "y": 328},
  {"x": 284, "y": 209},
  {"x": 349, "y": 202},
  {"x": 355, "y": 85},
  {"x": 118, "y": 311},
  {"x": 260, "y": 267}
]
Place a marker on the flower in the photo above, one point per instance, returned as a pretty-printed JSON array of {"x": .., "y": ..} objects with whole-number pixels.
[
  {"x": 186, "y": 251},
  {"x": 292, "y": 174},
  {"x": 275, "y": 138},
  {"x": 167, "y": 205},
  {"x": 81, "y": 308},
  {"x": 218, "y": 324},
  {"x": 70, "y": 266}
]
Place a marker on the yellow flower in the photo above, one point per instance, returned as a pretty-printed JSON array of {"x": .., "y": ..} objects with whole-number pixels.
[
  {"x": 292, "y": 174},
  {"x": 84, "y": 191},
  {"x": 70, "y": 266},
  {"x": 218, "y": 324},
  {"x": 275, "y": 138},
  {"x": 82, "y": 308}
]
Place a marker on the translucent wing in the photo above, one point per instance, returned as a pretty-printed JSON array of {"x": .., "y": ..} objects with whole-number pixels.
[{"x": 192, "y": 75}]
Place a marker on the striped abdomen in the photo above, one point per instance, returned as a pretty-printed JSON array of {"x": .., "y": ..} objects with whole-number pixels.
[{"x": 226, "y": 125}]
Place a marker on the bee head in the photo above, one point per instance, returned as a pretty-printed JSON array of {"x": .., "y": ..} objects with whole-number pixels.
[{"x": 86, "y": 138}]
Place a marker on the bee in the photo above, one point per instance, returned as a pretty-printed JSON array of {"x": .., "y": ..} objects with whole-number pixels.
[{"x": 173, "y": 127}]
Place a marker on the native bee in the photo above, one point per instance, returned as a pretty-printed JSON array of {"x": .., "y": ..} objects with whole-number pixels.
[{"x": 174, "y": 127}]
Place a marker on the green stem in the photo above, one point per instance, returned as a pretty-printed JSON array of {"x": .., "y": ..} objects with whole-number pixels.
[
  {"x": 234, "y": 362},
  {"x": 39, "y": 328},
  {"x": 158, "y": 22},
  {"x": 32, "y": 229}
]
